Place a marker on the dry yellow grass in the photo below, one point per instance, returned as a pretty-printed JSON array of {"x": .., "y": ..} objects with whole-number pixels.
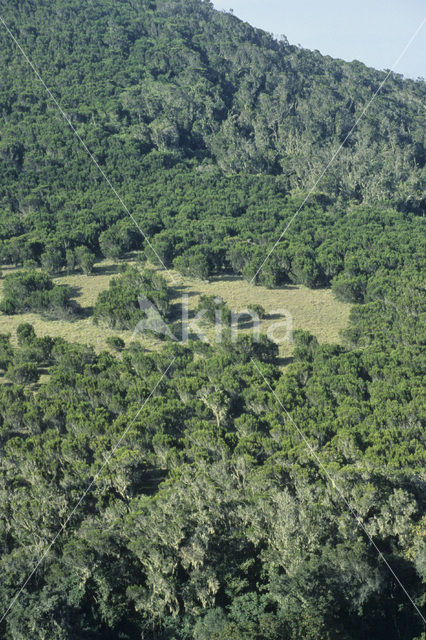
[
  {"x": 87, "y": 289},
  {"x": 314, "y": 310}
]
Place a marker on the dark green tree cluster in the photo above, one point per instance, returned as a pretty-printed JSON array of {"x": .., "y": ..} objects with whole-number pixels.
[
  {"x": 210, "y": 130},
  {"x": 214, "y": 309},
  {"x": 35, "y": 354},
  {"x": 128, "y": 299},
  {"x": 26, "y": 291}
]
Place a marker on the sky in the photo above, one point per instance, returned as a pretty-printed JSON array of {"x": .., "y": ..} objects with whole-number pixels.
[{"x": 372, "y": 31}]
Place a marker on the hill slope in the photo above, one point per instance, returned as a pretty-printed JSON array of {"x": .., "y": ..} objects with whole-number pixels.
[
  {"x": 212, "y": 482},
  {"x": 210, "y": 130},
  {"x": 179, "y": 77}
]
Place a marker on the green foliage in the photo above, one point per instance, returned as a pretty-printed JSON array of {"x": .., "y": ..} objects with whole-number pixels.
[
  {"x": 209, "y": 473},
  {"x": 210, "y": 131},
  {"x": 115, "y": 241},
  {"x": 85, "y": 259},
  {"x": 211, "y": 520},
  {"x": 214, "y": 310},
  {"x": 305, "y": 345},
  {"x": 349, "y": 288},
  {"x": 194, "y": 264},
  {"x": 25, "y": 334},
  {"x": 52, "y": 261},
  {"x": 116, "y": 343},
  {"x": 70, "y": 260},
  {"x": 258, "y": 310},
  {"x": 23, "y": 372},
  {"x": 129, "y": 297},
  {"x": 34, "y": 291},
  {"x": 6, "y": 351}
]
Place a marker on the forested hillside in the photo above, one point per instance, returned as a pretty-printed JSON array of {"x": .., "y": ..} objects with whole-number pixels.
[
  {"x": 204, "y": 125},
  {"x": 220, "y": 515}
]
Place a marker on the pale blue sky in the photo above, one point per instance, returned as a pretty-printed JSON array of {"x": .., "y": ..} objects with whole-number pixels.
[{"x": 372, "y": 31}]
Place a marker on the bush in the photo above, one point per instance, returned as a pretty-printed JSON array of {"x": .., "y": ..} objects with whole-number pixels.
[
  {"x": 258, "y": 309},
  {"x": 263, "y": 349},
  {"x": 115, "y": 242},
  {"x": 34, "y": 291},
  {"x": 70, "y": 260},
  {"x": 25, "y": 334},
  {"x": 305, "y": 345},
  {"x": 131, "y": 297},
  {"x": 214, "y": 308},
  {"x": 117, "y": 308},
  {"x": 115, "y": 343},
  {"x": 6, "y": 351},
  {"x": 23, "y": 372},
  {"x": 349, "y": 288},
  {"x": 52, "y": 260},
  {"x": 39, "y": 350},
  {"x": 194, "y": 264},
  {"x": 25, "y": 291},
  {"x": 85, "y": 259}
]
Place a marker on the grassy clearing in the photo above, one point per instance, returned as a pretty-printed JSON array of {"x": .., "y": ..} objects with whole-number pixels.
[
  {"x": 86, "y": 290},
  {"x": 314, "y": 310}
]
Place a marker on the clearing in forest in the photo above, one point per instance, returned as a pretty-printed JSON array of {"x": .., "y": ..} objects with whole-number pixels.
[{"x": 316, "y": 311}]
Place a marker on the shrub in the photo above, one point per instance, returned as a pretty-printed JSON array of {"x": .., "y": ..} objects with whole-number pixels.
[
  {"x": 34, "y": 291},
  {"x": 85, "y": 259},
  {"x": 23, "y": 372},
  {"x": 6, "y": 351},
  {"x": 120, "y": 308},
  {"x": 115, "y": 343},
  {"x": 214, "y": 308},
  {"x": 305, "y": 345},
  {"x": 194, "y": 264},
  {"x": 258, "y": 309},
  {"x": 52, "y": 260},
  {"x": 348, "y": 288},
  {"x": 25, "y": 291},
  {"x": 25, "y": 333}
]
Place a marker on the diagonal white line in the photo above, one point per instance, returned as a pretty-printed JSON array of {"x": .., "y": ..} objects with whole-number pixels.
[
  {"x": 364, "y": 111},
  {"x": 86, "y": 148},
  {"x": 353, "y": 512},
  {"x": 107, "y": 461}
]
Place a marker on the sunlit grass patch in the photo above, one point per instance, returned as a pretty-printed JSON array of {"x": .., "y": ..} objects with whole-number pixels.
[{"x": 316, "y": 310}]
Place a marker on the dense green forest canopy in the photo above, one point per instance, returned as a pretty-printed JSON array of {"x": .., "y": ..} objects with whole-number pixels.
[
  {"x": 212, "y": 521},
  {"x": 208, "y": 128}
]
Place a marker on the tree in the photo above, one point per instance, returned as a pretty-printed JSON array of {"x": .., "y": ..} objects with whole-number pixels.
[
  {"x": 258, "y": 310},
  {"x": 305, "y": 345},
  {"x": 35, "y": 291},
  {"x": 115, "y": 343},
  {"x": 133, "y": 297},
  {"x": 25, "y": 334},
  {"x": 214, "y": 309},
  {"x": 193, "y": 264},
  {"x": 85, "y": 259},
  {"x": 349, "y": 288},
  {"x": 23, "y": 372},
  {"x": 70, "y": 260},
  {"x": 52, "y": 260},
  {"x": 6, "y": 351}
]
